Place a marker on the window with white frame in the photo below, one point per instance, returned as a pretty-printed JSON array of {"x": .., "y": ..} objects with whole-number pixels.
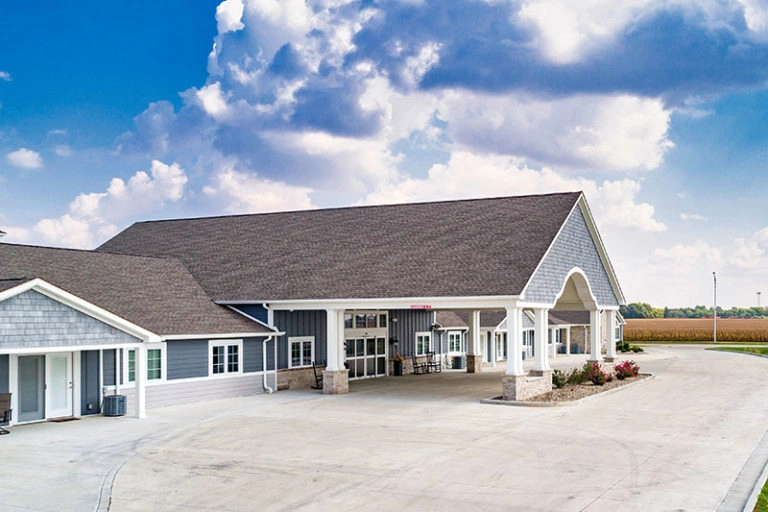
[
  {"x": 455, "y": 342},
  {"x": 302, "y": 351},
  {"x": 154, "y": 364},
  {"x": 423, "y": 343},
  {"x": 225, "y": 357}
]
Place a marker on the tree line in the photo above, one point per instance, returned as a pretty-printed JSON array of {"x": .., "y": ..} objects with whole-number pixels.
[{"x": 644, "y": 310}]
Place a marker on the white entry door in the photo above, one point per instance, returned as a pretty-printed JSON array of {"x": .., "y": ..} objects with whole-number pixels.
[{"x": 58, "y": 388}]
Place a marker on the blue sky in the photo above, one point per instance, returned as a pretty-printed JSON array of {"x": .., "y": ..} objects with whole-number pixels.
[{"x": 113, "y": 112}]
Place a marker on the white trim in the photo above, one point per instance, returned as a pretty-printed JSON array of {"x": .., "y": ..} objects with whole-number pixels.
[
  {"x": 225, "y": 343},
  {"x": 174, "y": 337},
  {"x": 302, "y": 340},
  {"x": 149, "y": 382},
  {"x": 253, "y": 318},
  {"x": 434, "y": 303},
  {"x": 83, "y": 306},
  {"x": 416, "y": 335},
  {"x": 66, "y": 348}
]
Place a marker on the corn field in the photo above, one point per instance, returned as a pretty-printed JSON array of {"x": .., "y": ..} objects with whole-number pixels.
[{"x": 696, "y": 329}]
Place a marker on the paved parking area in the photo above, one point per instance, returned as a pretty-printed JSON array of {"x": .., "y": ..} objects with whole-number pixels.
[{"x": 677, "y": 442}]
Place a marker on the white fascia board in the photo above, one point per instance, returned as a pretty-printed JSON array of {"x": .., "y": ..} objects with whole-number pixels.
[
  {"x": 83, "y": 306},
  {"x": 68, "y": 348},
  {"x": 227, "y": 335},
  {"x": 252, "y": 318},
  {"x": 414, "y": 303}
]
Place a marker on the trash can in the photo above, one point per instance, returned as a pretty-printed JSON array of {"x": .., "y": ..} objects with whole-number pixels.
[{"x": 114, "y": 405}]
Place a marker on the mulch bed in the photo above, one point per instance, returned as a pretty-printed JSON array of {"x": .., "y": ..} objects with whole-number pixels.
[{"x": 571, "y": 392}]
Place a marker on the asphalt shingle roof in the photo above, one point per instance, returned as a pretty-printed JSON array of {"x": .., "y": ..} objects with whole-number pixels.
[
  {"x": 158, "y": 294},
  {"x": 441, "y": 249}
]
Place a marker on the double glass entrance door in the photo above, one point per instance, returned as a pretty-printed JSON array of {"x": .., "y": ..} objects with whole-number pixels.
[{"x": 366, "y": 357}]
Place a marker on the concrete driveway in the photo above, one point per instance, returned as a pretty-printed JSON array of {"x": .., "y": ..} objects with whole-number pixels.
[{"x": 685, "y": 440}]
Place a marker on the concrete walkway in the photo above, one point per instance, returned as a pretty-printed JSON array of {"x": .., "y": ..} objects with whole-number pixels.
[{"x": 677, "y": 442}]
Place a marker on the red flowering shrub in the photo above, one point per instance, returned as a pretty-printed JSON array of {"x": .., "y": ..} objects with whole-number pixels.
[
  {"x": 626, "y": 369},
  {"x": 594, "y": 373}
]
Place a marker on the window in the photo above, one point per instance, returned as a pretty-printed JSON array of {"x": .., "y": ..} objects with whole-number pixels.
[
  {"x": 423, "y": 343},
  {"x": 154, "y": 364},
  {"x": 225, "y": 356},
  {"x": 302, "y": 351},
  {"x": 455, "y": 342}
]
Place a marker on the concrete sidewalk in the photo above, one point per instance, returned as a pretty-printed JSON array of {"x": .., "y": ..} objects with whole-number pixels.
[{"x": 677, "y": 442}]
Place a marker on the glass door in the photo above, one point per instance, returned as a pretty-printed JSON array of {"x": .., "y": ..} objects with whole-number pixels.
[
  {"x": 31, "y": 402},
  {"x": 366, "y": 357}
]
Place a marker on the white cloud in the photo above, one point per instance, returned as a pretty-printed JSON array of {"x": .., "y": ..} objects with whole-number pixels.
[
  {"x": 612, "y": 133},
  {"x": 469, "y": 175},
  {"x": 5, "y": 76},
  {"x": 62, "y": 150},
  {"x": 417, "y": 66},
  {"x": 228, "y": 15},
  {"x": 93, "y": 217},
  {"x": 243, "y": 192},
  {"x": 25, "y": 159},
  {"x": 692, "y": 216},
  {"x": 213, "y": 101}
]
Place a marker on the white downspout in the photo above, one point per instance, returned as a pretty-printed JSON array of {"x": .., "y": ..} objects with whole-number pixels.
[{"x": 264, "y": 365}]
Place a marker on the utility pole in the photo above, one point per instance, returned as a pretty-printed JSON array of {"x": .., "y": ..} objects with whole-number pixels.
[
  {"x": 714, "y": 277},
  {"x": 758, "y": 298}
]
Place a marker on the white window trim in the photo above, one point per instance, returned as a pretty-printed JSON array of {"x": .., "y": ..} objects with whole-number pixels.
[
  {"x": 163, "y": 365},
  {"x": 225, "y": 343},
  {"x": 300, "y": 339},
  {"x": 426, "y": 334},
  {"x": 462, "y": 342}
]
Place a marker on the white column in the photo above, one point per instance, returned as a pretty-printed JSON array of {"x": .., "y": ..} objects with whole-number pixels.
[
  {"x": 492, "y": 340},
  {"x": 334, "y": 339},
  {"x": 473, "y": 347},
  {"x": 541, "y": 339},
  {"x": 610, "y": 329},
  {"x": 594, "y": 336},
  {"x": 568, "y": 340},
  {"x": 141, "y": 381},
  {"x": 554, "y": 342},
  {"x": 514, "y": 341}
]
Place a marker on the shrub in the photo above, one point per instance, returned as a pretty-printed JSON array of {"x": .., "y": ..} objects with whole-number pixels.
[
  {"x": 594, "y": 373},
  {"x": 559, "y": 378},
  {"x": 576, "y": 376},
  {"x": 626, "y": 369},
  {"x": 636, "y": 349}
]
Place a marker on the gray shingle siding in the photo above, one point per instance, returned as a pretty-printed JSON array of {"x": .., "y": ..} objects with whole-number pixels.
[
  {"x": 31, "y": 320},
  {"x": 187, "y": 359},
  {"x": 574, "y": 247}
]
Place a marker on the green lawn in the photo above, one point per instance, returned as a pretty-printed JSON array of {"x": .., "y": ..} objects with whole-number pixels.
[{"x": 763, "y": 351}]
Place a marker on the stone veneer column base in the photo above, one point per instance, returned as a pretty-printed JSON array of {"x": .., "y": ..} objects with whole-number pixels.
[
  {"x": 523, "y": 387},
  {"x": 335, "y": 382},
  {"x": 474, "y": 364},
  {"x": 609, "y": 359}
]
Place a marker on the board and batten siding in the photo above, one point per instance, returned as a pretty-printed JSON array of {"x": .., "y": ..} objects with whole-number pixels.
[
  {"x": 574, "y": 247},
  {"x": 301, "y": 323},
  {"x": 108, "y": 374},
  {"x": 33, "y": 320},
  {"x": 4, "y": 373},
  {"x": 409, "y": 322},
  {"x": 89, "y": 382}
]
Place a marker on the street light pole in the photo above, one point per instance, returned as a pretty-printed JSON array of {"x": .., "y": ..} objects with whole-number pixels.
[
  {"x": 758, "y": 298},
  {"x": 714, "y": 278}
]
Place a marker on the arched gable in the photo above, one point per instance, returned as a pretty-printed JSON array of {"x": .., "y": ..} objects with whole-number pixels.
[{"x": 574, "y": 247}]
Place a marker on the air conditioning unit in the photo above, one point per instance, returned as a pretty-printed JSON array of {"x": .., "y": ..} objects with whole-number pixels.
[{"x": 114, "y": 405}]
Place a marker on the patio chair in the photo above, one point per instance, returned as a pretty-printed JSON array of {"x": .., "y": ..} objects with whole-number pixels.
[
  {"x": 318, "y": 378},
  {"x": 419, "y": 368},
  {"x": 6, "y": 413},
  {"x": 433, "y": 365}
]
